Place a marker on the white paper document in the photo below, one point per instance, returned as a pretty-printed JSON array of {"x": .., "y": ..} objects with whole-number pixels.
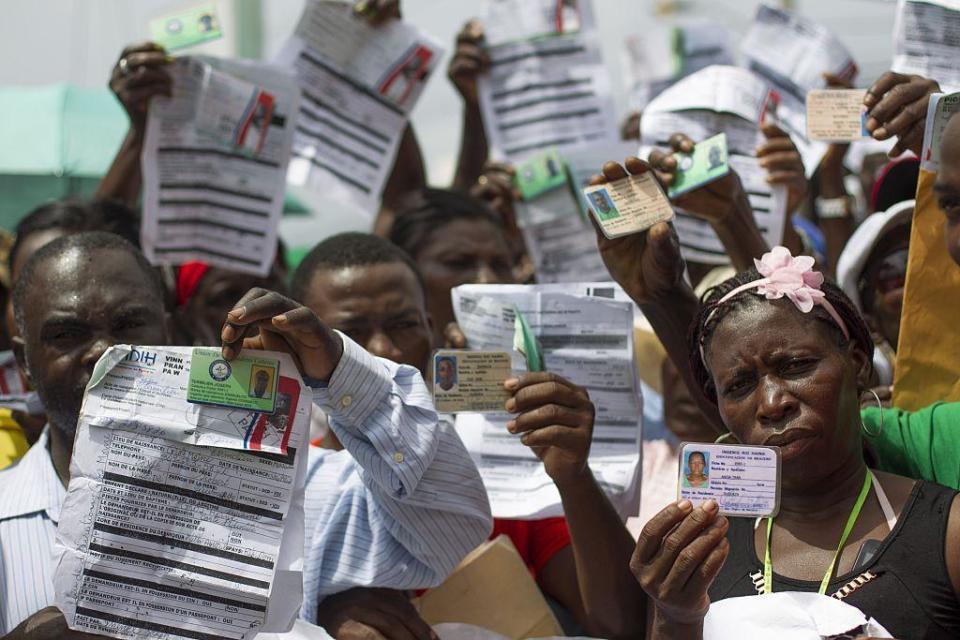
[
  {"x": 359, "y": 85},
  {"x": 926, "y": 40},
  {"x": 698, "y": 241},
  {"x": 548, "y": 92},
  {"x": 792, "y": 53},
  {"x": 163, "y": 537},
  {"x": 214, "y": 164},
  {"x": 586, "y": 335},
  {"x": 516, "y": 20}
]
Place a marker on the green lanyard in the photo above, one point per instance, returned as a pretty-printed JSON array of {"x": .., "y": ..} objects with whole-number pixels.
[{"x": 851, "y": 521}]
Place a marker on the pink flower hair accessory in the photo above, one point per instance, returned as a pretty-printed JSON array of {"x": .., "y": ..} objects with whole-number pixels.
[{"x": 791, "y": 277}]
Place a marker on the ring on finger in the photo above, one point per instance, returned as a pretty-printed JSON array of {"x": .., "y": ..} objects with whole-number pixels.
[{"x": 124, "y": 67}]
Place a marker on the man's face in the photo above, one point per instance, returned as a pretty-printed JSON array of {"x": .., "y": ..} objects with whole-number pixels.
[
  {"x": 446, "y": 374},
  {"x": 379, "y": 306},
  {"x": 886, "y": 274},
  {"x": 260, "y": 384},
  {"x": 462, "y": 252},
  {"x": 947, "y": 187},
  {"x": 80, "y": 304}
]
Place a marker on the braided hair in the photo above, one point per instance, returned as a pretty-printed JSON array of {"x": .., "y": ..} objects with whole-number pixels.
[{"x": 712, "y": 313}]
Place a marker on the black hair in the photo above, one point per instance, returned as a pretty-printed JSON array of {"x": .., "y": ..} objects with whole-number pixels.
[
  {"x": 348, "y": 250},
  {"x": 434, "y": 209},
  {"x": 711, "y": 313},
  {"x": 75, "y": 215},
  {"x": 86, "y": 242}
]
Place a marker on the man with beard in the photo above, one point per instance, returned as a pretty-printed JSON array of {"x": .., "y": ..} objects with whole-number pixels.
[{"x": 82, "y": 294}]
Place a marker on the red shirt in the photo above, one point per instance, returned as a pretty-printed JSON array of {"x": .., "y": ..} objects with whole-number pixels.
[{"x": 536, "y": 540}]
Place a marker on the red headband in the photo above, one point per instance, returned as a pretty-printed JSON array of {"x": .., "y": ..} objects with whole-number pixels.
[{"x": 188, "y": 279}]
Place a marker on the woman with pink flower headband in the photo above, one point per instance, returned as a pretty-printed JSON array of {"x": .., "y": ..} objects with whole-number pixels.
[{"x": 783, "y": 357}]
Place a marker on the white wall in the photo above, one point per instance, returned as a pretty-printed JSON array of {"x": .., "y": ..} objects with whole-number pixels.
[{"x": 77, "y": 41}]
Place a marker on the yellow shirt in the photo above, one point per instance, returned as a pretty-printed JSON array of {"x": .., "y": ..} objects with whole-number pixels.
[{"x": 13, "y": 444}]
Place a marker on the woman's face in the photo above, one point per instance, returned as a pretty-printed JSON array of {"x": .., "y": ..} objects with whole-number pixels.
[
  {"x": 461, "y": 252},
  {"x": 782, "y": 379}
]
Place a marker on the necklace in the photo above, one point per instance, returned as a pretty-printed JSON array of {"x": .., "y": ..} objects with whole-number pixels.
[{"x": 851, "y": 521}]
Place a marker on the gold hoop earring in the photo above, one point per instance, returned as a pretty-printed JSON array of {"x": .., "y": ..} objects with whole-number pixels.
[
  {"x": 726, "y": 438},
  {"x": 863, "y": 426}
]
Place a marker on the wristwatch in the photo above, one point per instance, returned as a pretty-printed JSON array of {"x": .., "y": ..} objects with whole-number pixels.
[{"x": 833, "y": 208}]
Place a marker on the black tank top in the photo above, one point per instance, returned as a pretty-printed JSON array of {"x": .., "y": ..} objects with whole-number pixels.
[{"x": 905, "y": 586}]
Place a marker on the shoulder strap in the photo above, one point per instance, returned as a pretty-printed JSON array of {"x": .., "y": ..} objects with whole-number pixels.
[{"x": 885, "y": 505}]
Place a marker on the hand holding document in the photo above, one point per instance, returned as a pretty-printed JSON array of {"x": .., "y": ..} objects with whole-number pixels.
[
  {"x": 359, "y": 85},
  {"x": 700, "y": 106},
  {"x": 214, "y": 164},
  {"x": 836, "y": 115},
  {"x": 184, "y": 518},
  {"x": 629, "y": 205},
  {"x": 548, "y": 91},
  {"x": 585, "y": 332}
]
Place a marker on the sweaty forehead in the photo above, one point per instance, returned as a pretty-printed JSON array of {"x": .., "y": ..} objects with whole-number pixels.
[
  {"x": 466, "y": 236},
  {"x": 762, "y": 327},
  {"x": 364, "y": 288},
  {"x": 84, "y": 281}
]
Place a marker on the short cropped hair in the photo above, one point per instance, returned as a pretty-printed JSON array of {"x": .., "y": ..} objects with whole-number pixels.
[
  {"x": 75, "y": 215},
  {"x": 87, "y": 242},
  {"x": 413, "y": 227},
  {"x": 348, "y": 250}
]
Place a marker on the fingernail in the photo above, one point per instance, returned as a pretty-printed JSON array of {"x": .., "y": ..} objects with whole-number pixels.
[
  {"x": 511, "y": 405},
  {"x": 709, "y": 506},
  {"x": 511, "y": 383},
  {"x": 880, "y": 131},
  {"x": 512, "y": 426},
  {"x": 227, "y": 333},
  {"x": 685, "y": 505},
  {"x": 281, "y": 319},
  {"x": 237, "y": 314}
]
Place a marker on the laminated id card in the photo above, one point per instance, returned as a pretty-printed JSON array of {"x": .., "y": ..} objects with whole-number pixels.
[
  {"x": 836, "y": 115},
  {"x": 629, "y": 205},
  {"x": 470, "y": 381},
  {"x": 707, "y": 163},
  {"x": 743, "y": 479}
]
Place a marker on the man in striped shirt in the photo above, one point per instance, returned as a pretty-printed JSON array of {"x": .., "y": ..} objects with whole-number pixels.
[{"x": 399, "y": 508}]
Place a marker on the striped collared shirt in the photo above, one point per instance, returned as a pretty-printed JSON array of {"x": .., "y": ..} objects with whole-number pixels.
[
  {"x": 30, "y": 499},
  {"x": 399, "y": 508}
]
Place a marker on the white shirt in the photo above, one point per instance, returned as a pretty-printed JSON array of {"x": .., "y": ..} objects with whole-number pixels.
[{"x": 400, "y": 507}]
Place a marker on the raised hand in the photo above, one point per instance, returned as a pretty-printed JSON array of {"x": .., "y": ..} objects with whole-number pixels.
[
  {"x": 897, "y": 106},
  {"x": 678, "y": 556},
  {"x": 647, "y": 265},
  {"x": 781, "y": 160},
  {"x": 269, "y": 321},
  {"x": 714, "y": 202},
  {"x": 469, "y": 60},
  {"x": 139, "y": 75},
  {"x": 555, "y": 418}
]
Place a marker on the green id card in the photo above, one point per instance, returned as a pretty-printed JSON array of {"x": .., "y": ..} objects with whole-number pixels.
[
  {"x": 708, "y": 162},
  {"x": 246, "y": 382},
  {"x": 541, "y": 173},
  {"x": 187, "y": 28}
]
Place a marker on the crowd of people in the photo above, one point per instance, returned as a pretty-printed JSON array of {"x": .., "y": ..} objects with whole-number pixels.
[{"x": 777, "y": 349}]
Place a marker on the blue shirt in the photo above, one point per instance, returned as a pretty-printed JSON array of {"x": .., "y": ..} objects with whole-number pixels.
[{"x": 399, "y": 507}]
